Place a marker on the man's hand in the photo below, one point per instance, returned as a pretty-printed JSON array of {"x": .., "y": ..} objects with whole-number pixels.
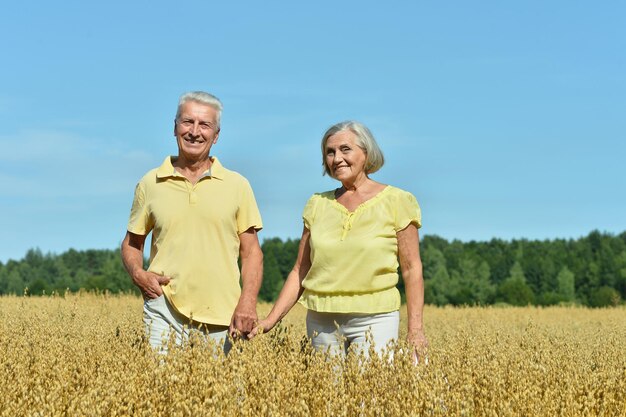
[
  {"x": 244, "y": 318},
  {"x": 150, "y": 283}
]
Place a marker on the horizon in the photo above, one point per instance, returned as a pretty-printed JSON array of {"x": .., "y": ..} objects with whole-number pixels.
[{"x": 262, "y": 239}]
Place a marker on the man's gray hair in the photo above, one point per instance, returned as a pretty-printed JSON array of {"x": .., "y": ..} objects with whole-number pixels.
[
  {"x": 201, "y": 97},
  {"x": 364, "y": 139}
]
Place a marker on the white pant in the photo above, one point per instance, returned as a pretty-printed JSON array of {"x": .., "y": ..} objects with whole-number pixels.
[
  {"x": 339, "y": 332},
  {"x": 162, "y": 321}
]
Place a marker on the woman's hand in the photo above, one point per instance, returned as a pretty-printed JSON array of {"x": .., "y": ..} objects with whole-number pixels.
[
  {"x": 262, "y": 326},
  {"x": 419, "y": 346}
]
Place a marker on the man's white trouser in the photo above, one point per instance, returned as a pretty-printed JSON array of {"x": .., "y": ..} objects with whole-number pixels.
[{"x": 162, "y": 321}]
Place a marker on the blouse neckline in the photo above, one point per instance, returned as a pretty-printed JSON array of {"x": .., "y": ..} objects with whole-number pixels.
[{"x": 361, "y": 206}]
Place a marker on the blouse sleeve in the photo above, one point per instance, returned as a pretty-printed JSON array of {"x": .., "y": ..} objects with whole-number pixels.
[
  {"x": 407, "y": 212},
  {"x": 308, "y": 214}
]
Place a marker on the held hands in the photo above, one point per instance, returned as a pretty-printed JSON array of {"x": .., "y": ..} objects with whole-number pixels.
[
  {"x": 244, "y": 319},
  {"x": 150, "y": 283},
  {"x": 262, "y": 326}
]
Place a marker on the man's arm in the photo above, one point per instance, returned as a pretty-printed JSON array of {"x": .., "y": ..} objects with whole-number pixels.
[
  {"x": 245, "y": 317},
  {"x": 148, "y": 283}
]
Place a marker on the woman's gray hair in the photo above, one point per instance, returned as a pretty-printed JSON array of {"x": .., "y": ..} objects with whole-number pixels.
[
  {"x": 204, "y": 98},
  {"x": 364, "y": 139}
]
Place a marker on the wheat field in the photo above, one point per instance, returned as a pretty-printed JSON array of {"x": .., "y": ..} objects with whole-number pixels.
[{"x": 85, "y": 355}]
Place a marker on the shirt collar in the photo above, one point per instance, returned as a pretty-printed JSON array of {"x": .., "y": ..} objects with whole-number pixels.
[{"x": 167, "y": 169}]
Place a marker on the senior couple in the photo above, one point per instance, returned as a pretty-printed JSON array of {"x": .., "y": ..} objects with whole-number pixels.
[{"x": 204, "y": 217}]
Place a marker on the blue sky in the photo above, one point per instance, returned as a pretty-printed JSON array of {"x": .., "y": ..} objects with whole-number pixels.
[{"x": 505, "y": 120}]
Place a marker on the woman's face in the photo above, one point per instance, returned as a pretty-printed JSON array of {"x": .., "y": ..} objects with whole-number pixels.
[{"x": 344, "y": 158}]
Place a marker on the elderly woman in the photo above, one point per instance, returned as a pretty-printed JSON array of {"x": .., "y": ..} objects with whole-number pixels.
[{"x": 346, "y": 270}]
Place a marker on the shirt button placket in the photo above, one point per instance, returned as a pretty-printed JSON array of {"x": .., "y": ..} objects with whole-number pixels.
[
  {"x": 193, "y": 196},
  {"x": 347, "y": 225}
]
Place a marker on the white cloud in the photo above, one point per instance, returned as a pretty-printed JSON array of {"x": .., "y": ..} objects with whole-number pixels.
[{"x": 58, "y": 164}]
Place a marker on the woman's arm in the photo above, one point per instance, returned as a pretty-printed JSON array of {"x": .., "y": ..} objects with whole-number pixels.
[
  {"x": 292, "y": 289},
  {"x": 411, "y": 266}
]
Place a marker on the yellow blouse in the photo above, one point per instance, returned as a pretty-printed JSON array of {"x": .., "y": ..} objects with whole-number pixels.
[{"x": 354, "y": 255}]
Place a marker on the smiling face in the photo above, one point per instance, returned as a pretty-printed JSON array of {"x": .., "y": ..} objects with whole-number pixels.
[
  {"x": 344, "y": 157},
  {"x": 196, "y": 130}
]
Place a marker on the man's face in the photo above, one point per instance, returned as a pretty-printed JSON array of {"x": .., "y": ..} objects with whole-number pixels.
[{"x": 196, "y": 130}]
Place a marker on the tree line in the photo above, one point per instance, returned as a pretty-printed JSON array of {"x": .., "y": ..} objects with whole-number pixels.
[{"x": 589, "y": 271}]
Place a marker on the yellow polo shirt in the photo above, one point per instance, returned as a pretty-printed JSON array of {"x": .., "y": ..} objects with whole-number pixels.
[
  {"x": 195, "y": 236},
  {"x": 354, "y": 255}
]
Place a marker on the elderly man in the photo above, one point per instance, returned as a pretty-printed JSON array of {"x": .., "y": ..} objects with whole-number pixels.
[{"x": 203, "y": 217}]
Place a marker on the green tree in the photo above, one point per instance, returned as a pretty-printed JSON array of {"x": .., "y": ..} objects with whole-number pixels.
[
  {"x": 4, "y": 273},
  {"x": 436, "y": 278},
  {"x": 114, "y": 275},
  {"x": 566, "y": 281},
  {"x": 38, "y": 287},
  {"x": 286, "y": 254},
  {"x": 272, "y": 277},
  {"x": 497, "y": 254},
  {"x": 15, "y": 283},
  {"x": 471, "y": 285},
  {"x": 514, "y": 289},
  {"x": 604, "y": 297}
]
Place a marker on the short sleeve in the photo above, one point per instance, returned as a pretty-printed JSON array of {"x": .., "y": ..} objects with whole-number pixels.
[
  {"x": 308, "y": 214},
  {"x": 248, "y": 214},
  {"x": 139, "y": 222},
  {"x": 407, "y": 211}
]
